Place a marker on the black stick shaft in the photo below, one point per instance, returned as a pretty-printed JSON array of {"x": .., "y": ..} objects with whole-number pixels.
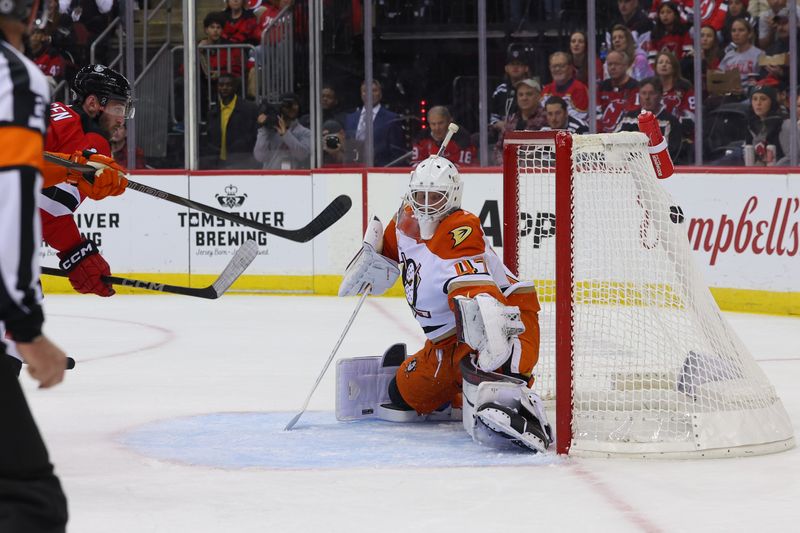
[
  {"x": 205, "y": 292},
  {"x": 333, "y": 212}
]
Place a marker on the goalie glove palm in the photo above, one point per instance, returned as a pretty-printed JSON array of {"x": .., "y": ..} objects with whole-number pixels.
[
  {"x": 368, "y": 267},
  {"x": 489, "y": 327}
]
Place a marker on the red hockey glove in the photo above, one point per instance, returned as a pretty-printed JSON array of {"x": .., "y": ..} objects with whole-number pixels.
[
  {"x": 109, "y": 180},
  {"x": 86, "y": 266}
]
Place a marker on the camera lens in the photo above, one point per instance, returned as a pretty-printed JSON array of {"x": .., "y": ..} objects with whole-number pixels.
[{"x": 332, "y": 141}]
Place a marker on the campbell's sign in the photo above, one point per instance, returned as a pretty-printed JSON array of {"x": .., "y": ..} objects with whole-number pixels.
[{"x": 749, "y": 231}]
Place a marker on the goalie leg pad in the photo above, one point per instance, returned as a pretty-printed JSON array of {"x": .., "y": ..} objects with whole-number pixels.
[
  {"x": 362, "y": 383},
  {"x": 500, "y": 410}
]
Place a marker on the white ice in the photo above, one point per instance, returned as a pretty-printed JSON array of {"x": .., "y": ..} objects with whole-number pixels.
[{"x": 150, "y": 362}]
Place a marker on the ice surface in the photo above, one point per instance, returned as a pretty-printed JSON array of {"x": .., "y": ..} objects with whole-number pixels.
[{"x": 171, "y": 422}]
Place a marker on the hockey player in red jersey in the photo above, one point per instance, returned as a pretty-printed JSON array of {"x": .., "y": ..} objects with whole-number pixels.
[
  {"x": 480, "y": 321},
  {"x": 81, "y": 132}
]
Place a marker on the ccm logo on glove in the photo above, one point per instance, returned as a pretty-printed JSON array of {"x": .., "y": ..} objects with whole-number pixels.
[{"x": 75, "y": 256}]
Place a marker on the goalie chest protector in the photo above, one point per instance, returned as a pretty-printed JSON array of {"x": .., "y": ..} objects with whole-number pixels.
[{"x": 458, "y": 253}]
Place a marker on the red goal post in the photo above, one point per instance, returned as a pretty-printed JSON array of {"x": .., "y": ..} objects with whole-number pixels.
[{"x": 634, "y": 352}]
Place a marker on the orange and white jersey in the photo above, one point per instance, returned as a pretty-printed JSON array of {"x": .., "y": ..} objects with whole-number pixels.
[{"x": 457, "y": 261}]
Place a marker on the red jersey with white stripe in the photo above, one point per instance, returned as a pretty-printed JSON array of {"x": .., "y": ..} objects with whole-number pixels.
[{"x": 70, "y": 130}]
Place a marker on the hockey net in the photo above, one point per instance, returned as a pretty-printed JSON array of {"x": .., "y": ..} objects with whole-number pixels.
[{"x": 633, "y": 348}]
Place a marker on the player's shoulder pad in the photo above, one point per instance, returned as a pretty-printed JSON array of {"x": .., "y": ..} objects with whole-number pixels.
[{"x": 459, "y": 235}]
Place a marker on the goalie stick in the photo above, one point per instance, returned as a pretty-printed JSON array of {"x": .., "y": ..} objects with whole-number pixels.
[
  {"x": 296, "y": 417},
  {"x": 237, "y": 265},
  {"x": 333, "y": 212}
]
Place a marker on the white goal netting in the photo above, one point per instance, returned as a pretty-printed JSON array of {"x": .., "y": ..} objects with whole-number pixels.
[{"x": 656, "y": 368}]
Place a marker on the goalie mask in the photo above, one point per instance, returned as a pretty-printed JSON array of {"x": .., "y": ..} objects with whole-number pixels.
[{"x": 433, "y": 193}]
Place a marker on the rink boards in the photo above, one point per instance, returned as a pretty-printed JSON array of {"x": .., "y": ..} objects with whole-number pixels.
[{"x": 744, "y": 228}]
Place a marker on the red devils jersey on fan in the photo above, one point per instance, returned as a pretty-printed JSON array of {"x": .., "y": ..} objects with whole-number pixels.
[
  {"x": 70, "y": 130},
  {"x": 679, "y": 44},
  {"x": 613, "y": 101},
  {"x": 241, "y": 30},
  {"x": 460, "y": 151},
  {"x": 574, "y": 92},
  {"x": 51, "y": 64},
  {"x": 712, "y": 12},
  {"x": 679, "y": 101}
]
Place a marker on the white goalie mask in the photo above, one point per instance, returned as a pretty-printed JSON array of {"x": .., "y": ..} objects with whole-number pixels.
[{"x": 433, "y": 193}]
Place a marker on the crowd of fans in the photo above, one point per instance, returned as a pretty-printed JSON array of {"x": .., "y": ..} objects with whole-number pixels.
[{"x": 645, "y": 62}]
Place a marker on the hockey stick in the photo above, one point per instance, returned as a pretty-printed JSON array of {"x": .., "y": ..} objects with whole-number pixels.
[
  {"x": 294, "y": 420},
  {"x": 333, "y": 212},
  {"x": 237, "y": 265}
]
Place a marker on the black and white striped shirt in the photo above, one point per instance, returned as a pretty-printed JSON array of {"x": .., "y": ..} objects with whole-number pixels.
[{"x": 24, "y": 94}]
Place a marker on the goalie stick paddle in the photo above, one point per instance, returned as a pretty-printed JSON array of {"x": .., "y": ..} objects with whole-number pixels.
[
  {"x": 333, "y": 212},
  {"x": 296, "y": 417},
  {"x": 237, "y": 265}
]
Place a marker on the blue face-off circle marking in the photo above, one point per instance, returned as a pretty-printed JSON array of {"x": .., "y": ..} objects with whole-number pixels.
[{"x": 319, "y": 441}]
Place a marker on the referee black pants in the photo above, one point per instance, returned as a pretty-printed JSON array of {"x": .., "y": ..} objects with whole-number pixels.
[{"x": 31, "y": 499}]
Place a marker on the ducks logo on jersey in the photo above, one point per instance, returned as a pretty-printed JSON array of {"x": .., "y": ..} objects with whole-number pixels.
[{"x": 411, "y": 285}]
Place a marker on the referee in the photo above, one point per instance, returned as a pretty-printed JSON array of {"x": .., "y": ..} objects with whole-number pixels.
[{"x": 31, "y": 499}]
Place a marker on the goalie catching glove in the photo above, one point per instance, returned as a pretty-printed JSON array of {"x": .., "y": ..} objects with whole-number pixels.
[
  {"x": 109, "y": 178},
  {"x": 369, "y": 268},
  {"x": 489, "y": 327}
]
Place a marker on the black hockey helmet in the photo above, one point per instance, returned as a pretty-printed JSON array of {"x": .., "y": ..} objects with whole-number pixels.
[{"x": 105, "y": 83}]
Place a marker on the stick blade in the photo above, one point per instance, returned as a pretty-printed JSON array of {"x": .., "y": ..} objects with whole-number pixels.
[
  {"x": 293, "y": 421},
  {"x": 241, "y": 260},
  {"x": 327, "y": 217}
]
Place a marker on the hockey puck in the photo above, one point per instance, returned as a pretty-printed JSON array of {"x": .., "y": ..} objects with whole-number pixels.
[{"x": 70, "y": 363}]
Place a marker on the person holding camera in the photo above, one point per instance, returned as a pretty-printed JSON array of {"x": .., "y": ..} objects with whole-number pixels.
[
  {"x": 337, "y": 151},
  {"x": 282, "y": 142}
]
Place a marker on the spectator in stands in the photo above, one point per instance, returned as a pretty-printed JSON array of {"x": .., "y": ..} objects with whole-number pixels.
[
  {"x": 503, "y": 103},
  {"x": 214, "y": 61},
  {"x": 744, "y": 57},
  {"x": 764, "y": 125},
  {"x": 87, "y": 19},
  {"x": 46, "y": 55},
  {"x": 778, "y": 74},
  {"x": 282, "y": 142},
  {"x": 669, "y": 33},
  {"x": 580, "y": 58},
  {"x": 617, "y": 94},
  {"x": 650, "y": 91},
  {"x": 622, "y": 40},
  {"x": 337, "y": 150},
  {"x": 558, "y": 118},
  {"x": 785, "y": 137},
  {"x": 119, "y": 149},
  {"x": 736, "y": 9},
  {"x": 633, "y": 17},
  {"x": 241, "y": 25},
  {"x": 768, "y": 22},
  {"x": 231, "y": 128},
  {"x": 712, "y": 12},
  {"x": 460, "y": 151},
  {"x": 566, "y": 86},
  {"x": 388, "y": 138},
  {"x": 710, "y": 52},
  {"x": 329, "y": 102},
  {"x": 530, "y": 115},
  {"x": 678, "y": 93},
  {"x": 268, "y": 12}
]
